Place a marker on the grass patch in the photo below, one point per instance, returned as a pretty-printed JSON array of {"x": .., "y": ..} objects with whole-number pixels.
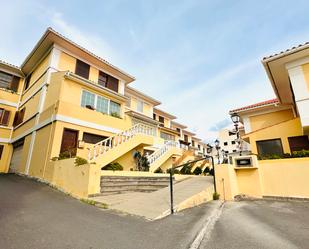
[{"x": 94, "y": 203}]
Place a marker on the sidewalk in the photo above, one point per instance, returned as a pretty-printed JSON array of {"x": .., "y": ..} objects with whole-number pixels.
[{"x": 188, "y": 193}]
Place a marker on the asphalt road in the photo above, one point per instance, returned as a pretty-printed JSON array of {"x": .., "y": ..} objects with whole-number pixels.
[
  {"x": 33, "y": 216},
  {"x": 260, "y": 224}
]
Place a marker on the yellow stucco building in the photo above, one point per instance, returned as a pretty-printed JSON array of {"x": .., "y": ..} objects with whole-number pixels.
[
  {"x": 281, "y": 125},
  {"x": 66, "y": 101}
]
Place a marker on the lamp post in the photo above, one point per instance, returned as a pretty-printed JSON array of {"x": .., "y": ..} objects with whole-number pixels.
[
  {"x": 235, "y": 119},
  {"x": 217, "y": 145}
]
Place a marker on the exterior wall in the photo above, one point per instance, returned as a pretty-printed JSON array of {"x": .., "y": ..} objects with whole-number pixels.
[
  {"x": 127, "y": 161},
  {"x": 225, "y": 137},
  {"x": 5, "y": 158},
  {"x": 283, "y": 131},
  {"x": 268, "y": 119},
  {"x": 276, "y": 178},
  {"x": 299, "y": 78}
]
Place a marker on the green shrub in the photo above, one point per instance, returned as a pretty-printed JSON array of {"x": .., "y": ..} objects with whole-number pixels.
[
  {"x": 175, "y": 171},
  {"x": 115, "y": 115},
  {"x": 113, "y": 166},
  {"x": 206, "y": 170},
  {"x": 186, "y": 169},
  {"x": 211, "y": 172},
  {"x": 158, "y": 170},
  {"x": 215, "y": 196},
  {"x": 295, "y": 154},
  {"x": 197, "y": 171},
  {"x": 65, "y": 155},
  {"x": 80, "y": 161}
]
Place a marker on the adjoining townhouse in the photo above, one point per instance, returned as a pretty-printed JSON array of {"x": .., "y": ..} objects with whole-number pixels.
[
  {"x": 281, "y": 125},
  {"x": 65, "y": 101}
]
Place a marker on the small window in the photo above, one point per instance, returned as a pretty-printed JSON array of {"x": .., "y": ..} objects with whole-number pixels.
[
  {"x": 161, "y": 119},
  {"x": 4, "y": 117},
  {"x": 108, "y": 81},
  {"x": 1, "y": 150},
  {"x": 225, "y": 143},
  {"x": 193, "y": 143},
  {"x": 102, "y": 105},
  {"x": 19, "y": 117},
  {"x": 186, "y": 138},
  {"x": 269, "y": 147},
  {"x": 92, "y": 138},
  {"x": 178, "y": 130},
  {"x": 114, "y": 108},
  {"x": 9, "y": 81},
  {"x": 102, "y": 79},
  {"x": 198, "y": 146},
  {"x": 140, "y": 106},
  {"x": 88, "y": 100},
  {"x": 167, "y": 136},
  {"x": 27, "y": 81},
  {"x": 154, "y": 116},
  {"x": 234, "y": 150},
  {"x": 82, "y": 69},
  {"x": 233, "y": 142}
]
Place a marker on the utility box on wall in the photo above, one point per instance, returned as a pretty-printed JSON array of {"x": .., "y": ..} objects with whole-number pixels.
[{"x": 247, "y": 161}]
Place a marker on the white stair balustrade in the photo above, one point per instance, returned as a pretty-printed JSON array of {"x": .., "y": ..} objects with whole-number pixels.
[
  {"x": 111, "y": 143},
  {"x": 160, "y": 152}
]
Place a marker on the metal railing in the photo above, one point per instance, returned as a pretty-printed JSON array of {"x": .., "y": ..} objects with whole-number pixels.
[
  {"x": 110, "y": 143},
  {"x": 160, "y": 152}
]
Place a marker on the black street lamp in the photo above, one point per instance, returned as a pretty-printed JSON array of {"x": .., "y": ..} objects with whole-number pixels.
[
  {"x": 235, "y": 119},
  {"x": 217, "y": 145}
]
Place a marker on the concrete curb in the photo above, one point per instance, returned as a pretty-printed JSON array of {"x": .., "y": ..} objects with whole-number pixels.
[{"x": 208, "y": 226}]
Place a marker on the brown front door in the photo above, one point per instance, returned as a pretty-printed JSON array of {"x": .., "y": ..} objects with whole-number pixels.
[
  {"x": 298, "y": 143},
  {"x": 69, "y": 141}
]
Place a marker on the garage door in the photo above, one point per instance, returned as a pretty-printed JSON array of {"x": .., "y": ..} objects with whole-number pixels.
[{"x": 16, "y": 158}]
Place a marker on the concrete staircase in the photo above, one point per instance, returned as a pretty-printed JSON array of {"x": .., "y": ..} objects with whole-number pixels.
[
  {"x": 108, "y": 150},
  {"x": 169, "y": 149},
  {"x": 111, "y": 185}
]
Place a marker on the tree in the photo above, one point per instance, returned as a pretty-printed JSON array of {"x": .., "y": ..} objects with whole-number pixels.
[{"x": 142, "y": 163}]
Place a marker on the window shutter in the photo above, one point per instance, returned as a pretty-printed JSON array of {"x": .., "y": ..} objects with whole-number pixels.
[
  {"x": 6, "y": 116},
  {"x": 15, "y": 83},
  {"x": 1, "y": 150},
  {"x": 102, "y": 79},
  {"x": 112, "y": 83},
  {"x": 82, "y": 69}
]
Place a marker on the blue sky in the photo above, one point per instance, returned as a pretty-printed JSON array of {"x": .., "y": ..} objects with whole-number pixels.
[{"x": 199, "y": 58}]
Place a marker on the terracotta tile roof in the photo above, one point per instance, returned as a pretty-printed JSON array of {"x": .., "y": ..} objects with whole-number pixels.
[
  {"x": 288, "y": 51},
  {"x": 253, "y": 106}
]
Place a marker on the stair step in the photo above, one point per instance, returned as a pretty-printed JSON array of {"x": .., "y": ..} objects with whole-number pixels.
[{"x": 124, "y": 185}]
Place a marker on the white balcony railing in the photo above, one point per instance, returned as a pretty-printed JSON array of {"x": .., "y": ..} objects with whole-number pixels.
[{"x": 160, "y": 152}]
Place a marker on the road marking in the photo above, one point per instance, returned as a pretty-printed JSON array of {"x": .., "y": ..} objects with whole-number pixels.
[{"x": 204, "y": 234}]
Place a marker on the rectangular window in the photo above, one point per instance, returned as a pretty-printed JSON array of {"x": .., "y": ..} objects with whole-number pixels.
[
  {"x": 102, "y": 105},
  {"x": 177, "y": 129},
  {"x": 114, "y": 108},
  {"x": 225, "y": 143},
  {"x": 139, "y": 106},
  {"x": 154, "y": 116},
  {"x": 298, "y": 143},
  {"x": 19, "y": 117},
  {"x": 9, "y": 81},
  {"x": 167, "y": 136},
  {"x": 1, "y": 150},
  {"x": 4, "y": 117},
  {"x": 193, "y": 143},
  {"x": 233, "y": 142},
  {"x": 186, "y": 138},
  {"x": 92, "y": 138},
  {"x": 199, "y": 147},
  {"x": 108, "y": 81},
  {"x": 161, "y": 119},
  {"x": 27, "y": 81},
  {"x": 269, "y": 147},
  {"x": 88, "y": 100},
  {"x": 82, "y": 69}
]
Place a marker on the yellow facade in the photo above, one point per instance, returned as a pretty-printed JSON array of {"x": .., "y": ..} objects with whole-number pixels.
[
  {"x": 52, "y": 99},
  {"x": 283, "y": 131}
]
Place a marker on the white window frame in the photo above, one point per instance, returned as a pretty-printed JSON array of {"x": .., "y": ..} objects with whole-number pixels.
[{"x": 95, "y": 102}]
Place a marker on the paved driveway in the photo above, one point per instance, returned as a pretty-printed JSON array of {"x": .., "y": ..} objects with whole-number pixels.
[
  {"x": 260, "y": 224},
  {"x": 33, "y": 215}
]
